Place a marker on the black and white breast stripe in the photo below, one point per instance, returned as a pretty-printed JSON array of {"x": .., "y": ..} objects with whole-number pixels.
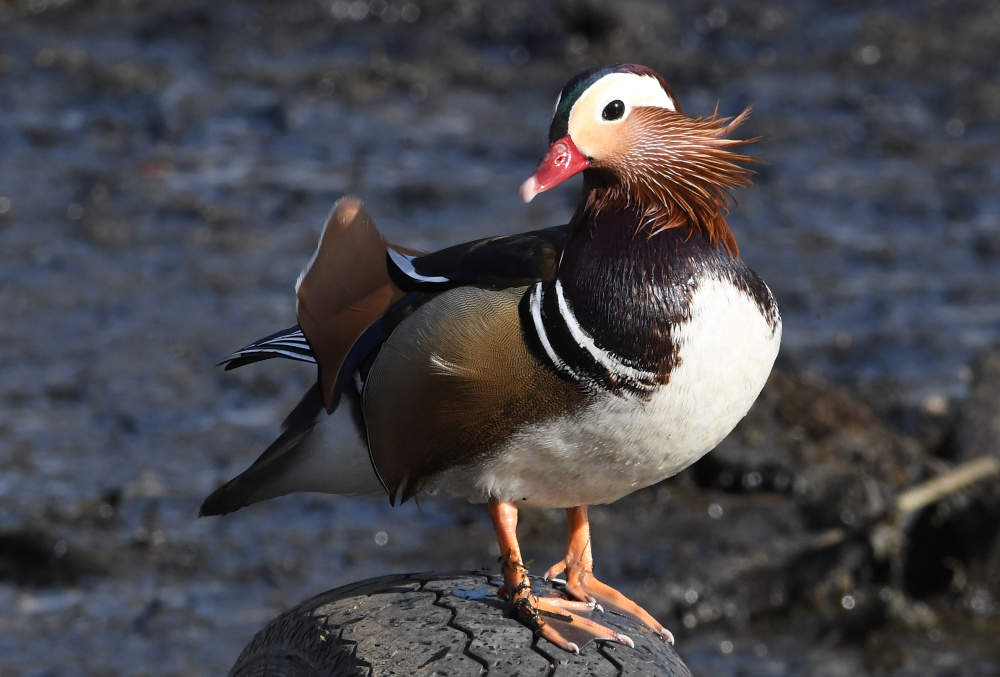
[{"x": 555, "y": 335}]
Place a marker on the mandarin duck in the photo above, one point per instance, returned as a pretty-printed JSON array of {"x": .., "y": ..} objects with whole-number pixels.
[{"x": 558, "y": 368}]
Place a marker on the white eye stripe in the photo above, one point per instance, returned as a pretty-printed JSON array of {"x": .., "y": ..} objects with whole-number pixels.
[
  {"x": 631, "y": 89},
  {"x": 586, "y": 125}
]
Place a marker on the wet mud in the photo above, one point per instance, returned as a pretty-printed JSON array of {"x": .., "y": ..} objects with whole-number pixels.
[{"x": 165, "y": 168}]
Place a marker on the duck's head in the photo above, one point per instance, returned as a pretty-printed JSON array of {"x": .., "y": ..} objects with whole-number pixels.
[{"x": 622, "y": 126}]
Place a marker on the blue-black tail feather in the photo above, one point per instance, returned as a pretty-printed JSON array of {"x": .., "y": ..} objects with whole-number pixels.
[{"x": 290, "y": 344}]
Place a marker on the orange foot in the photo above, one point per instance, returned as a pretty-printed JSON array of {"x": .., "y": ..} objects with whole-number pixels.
[
  {"x": 565, "y": 623},
  {"x": 582, "y": 585}
]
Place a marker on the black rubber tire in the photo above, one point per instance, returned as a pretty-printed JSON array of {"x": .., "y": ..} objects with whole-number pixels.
[{"x": 434, "y": 624}]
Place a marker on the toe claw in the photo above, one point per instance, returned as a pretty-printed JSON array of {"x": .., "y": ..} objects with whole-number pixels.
[
  {"x": 623, "y": 639},
  {"x": 555, "y": 571},
  {"x": 568, "y": 624}
]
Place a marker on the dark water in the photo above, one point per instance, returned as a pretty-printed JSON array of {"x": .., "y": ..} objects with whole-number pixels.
[{"x": 165, "y": 169}]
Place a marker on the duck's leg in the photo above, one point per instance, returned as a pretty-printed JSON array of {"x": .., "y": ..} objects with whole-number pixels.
[
  {"x": 581, "y": 584},
  {"x": 556, "y": 619}
]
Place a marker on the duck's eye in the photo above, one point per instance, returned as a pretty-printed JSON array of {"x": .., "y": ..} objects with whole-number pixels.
[{"x": 614, "y": 110}]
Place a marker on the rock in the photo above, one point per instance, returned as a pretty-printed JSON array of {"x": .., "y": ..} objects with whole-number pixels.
[
  {"x": 954, "y": 544},
  {"x": 977, "y": 431},
  {"x": 33, "y": 557}
]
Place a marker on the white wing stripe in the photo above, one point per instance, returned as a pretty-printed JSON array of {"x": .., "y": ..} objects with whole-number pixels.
[{"x": 405, "y": 265}]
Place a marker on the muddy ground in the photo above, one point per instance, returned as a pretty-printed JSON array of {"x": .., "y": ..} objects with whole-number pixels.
[{"x": 165, "y": 168}]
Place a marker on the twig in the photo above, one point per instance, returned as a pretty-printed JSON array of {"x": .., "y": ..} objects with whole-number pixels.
[
  {"x": 934, "y": 490},
  {"x": 888, "y": 536}
]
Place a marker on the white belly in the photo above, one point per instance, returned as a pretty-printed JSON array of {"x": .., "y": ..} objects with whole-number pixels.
[{"x": 620, "y": 444}]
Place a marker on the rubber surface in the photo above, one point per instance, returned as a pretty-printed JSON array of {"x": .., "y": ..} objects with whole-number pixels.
[{"x": 435, "y": 624}]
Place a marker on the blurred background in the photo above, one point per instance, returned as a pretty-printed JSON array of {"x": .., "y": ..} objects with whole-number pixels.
[{"x": 165, "y": 169}]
